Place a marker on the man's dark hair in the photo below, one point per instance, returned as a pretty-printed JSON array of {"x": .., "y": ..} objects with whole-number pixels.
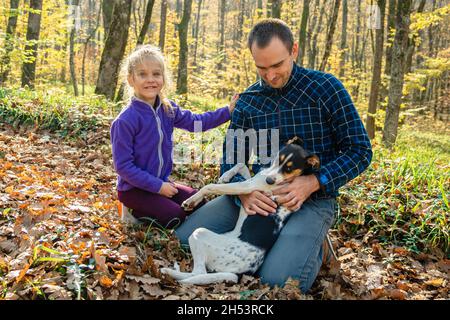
[{"x": 266, "y": 29}]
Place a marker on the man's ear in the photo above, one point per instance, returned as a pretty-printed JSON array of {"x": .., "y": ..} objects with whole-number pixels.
[
  {"x": 296, "y": 140},
  {"x": 295, "y": 51},
  {"x": 313, "y": 161}
]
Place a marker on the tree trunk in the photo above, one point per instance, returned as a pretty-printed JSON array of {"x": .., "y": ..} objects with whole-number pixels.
[
  {"x": 302, "y": 35},
  {"x": 73, "y": 75},
  {"x": 412, "y": 42},
  {"x": 162, "y": 27},
  {"x": 276, "y": 9},
  {"x": 343, "y": 46},
  {"x": 390, "y": 28},
  {"x": 240, "y": 25},
  {"x": 136, "y": 18},
  {"x": 431, "y": 30},
  {"x": 313, "y": 13},
  {"x": 114, "y": 49},
  {"x": 107, "y": 12},
  {"x": 197, "y": 30},
  {"x": 355, "y": 44},
  {"x": 376, "y": 75},
  {"x": 259, "y": 9},
  {"x": 179, "y": 8},
  {"x": 33, "y": 30},
  {"x": 269, "y": 8},
  {"x": 400, "y": 45},
  {"x": 148, "y": 16},
  {"x": 330, "y": 34},
  {"x": 360, "y": 64},
  {"x": 86, "y": 43},
  {"x": 183, "y": 58},
  {"x": 221, "y": 44},
  {"x": 315, "y": 33},
  {"x": 9, "y": 40}
]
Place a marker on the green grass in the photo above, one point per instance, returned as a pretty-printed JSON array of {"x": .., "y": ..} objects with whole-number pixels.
[
  {"x": 402, "y": 198},
  {"x": 55, "y": 110}
]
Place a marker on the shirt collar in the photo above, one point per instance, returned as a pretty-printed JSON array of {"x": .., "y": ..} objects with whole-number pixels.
[{"x": 157, "y": 102}]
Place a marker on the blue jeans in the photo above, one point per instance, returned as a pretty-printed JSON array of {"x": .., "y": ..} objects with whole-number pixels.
[{"x": 297, "y": 253}]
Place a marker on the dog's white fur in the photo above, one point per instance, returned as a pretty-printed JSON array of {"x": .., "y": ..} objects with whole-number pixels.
[{"x": 225, "y": 255}]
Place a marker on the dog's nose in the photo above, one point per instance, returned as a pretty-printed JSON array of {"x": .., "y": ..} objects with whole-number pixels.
[{"x": 270, "y": 180}]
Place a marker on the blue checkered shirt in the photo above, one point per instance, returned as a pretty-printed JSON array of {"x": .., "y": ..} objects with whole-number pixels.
[{"x": 314, "y": 106}]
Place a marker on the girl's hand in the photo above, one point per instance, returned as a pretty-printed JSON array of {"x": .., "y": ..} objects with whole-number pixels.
[
  {"x": 168, "y": 190},
  {"x": 233, "y": 101}
]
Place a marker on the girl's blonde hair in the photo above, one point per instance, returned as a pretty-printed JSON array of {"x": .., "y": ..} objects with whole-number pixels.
[{"x": 137, "y": 57}]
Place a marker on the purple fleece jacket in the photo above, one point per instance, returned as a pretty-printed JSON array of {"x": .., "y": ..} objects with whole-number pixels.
[{"x": 141, "y": 139}]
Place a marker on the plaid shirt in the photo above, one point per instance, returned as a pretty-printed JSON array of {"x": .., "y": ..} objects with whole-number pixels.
[{"x": 314, "y": 106}]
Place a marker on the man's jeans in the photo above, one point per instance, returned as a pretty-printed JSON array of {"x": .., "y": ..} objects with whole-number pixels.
[{"x": 297, "y": 252}]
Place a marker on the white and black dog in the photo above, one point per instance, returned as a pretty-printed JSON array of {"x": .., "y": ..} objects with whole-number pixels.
[{"x": 242, "y": 250}]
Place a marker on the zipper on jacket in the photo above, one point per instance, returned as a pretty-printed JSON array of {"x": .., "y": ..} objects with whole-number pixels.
[
  {"x": 160, "y": 132},
  {"x": 161, "y": 136}
]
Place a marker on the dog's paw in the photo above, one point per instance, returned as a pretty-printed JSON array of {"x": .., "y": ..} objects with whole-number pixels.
[
  {"x": 187, "y": 206},
  {"x": 175, "y": 274},
  {"x": 224, "y": 179},
  {"x": 190, "y": 203},
  {"x": 227, "y": 176},
  {"x": 165, "y": 270}
]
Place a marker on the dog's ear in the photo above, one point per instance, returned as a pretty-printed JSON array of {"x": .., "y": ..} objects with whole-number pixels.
[
  {"x": 296, "y": 140},
  {"x": 313, "y": 161}
]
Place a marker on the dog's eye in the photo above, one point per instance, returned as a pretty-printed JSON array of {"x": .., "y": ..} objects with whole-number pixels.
[{"x": 288, "y": 169}]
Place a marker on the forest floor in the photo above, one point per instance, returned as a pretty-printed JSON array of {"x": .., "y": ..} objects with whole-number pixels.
[{"x": 61, "y": 238}]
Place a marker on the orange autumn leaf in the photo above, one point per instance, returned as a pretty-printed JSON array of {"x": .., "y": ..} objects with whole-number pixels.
[
  {"x": 22, "y": 273},
  {"x": 119, "y": 275},
  {"x": 435, "y": 282},
  {"x": 106, "y": 282},
  {"x": 24, "y": 205},
  {"x": 119, "y": 208},
  {"x": 397, "y": 294},
  {"x": 401, "y": 251}
]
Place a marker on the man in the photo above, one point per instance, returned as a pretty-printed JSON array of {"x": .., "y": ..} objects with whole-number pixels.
[{"x": 309, "y": 104}]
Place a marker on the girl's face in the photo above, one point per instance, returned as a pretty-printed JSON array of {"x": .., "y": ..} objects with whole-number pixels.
[{"x": 147, "y": 80}]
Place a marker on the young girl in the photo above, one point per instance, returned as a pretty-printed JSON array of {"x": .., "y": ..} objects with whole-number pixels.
[{"x": 141, "y": 138}]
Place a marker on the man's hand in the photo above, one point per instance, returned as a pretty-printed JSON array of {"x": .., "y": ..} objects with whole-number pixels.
[
  {"x": 168, "y": 190},
  {"x": 258, "y": 203},
  {"x": 293, "y": 194}
]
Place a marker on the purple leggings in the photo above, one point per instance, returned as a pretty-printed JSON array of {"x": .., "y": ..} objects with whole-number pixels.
[{"x": 166, "y": 211}]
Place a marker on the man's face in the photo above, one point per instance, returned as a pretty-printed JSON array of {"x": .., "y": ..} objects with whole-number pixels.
[{"x": 274, "y": 62}]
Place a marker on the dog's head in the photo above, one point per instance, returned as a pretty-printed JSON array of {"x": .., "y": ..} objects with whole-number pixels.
[{"x": 292, "y": 161}]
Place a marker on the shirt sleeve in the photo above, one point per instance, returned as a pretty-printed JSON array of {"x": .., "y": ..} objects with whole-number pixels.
[
  {"x": 235, "y": 147},
  {"x": 185, "y": 119},
  {"x": 352, "y": 142},
  {"x": 122, "y": 135}
]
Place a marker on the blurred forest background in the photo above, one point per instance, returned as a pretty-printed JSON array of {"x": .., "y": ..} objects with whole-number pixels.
[
  {"x": 60, "y": 236},
  {"x": 78, "y": 45}
]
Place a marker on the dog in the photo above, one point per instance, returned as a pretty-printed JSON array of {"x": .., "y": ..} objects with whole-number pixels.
[{"x": 243, "y": 249}]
